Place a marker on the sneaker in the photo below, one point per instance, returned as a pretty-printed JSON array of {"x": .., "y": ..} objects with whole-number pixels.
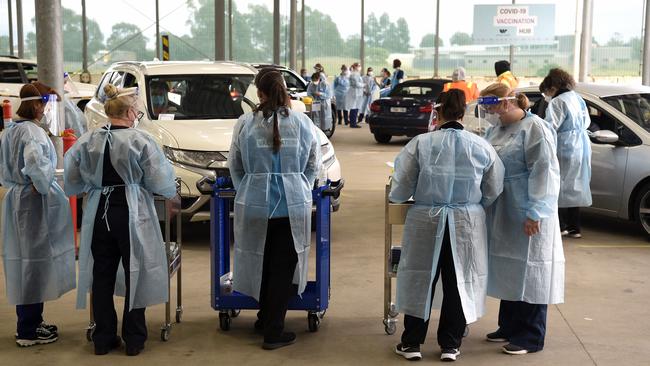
[
  {"x": 285, "y": 339},
  {"x": 512, "y": 349},
  {"x": 496, "y": 337},
  {"x": 134, "y": 350},
  {"x": 564, "y": 232},
  {"x": 49, "y": 327},
  {"x": 411, "y": 353},
  {"x": 449, "y": 354},
  {"x": 575, "y": 234},
  {"x": 43, "y": 336},
  {"x": 102, "y": 350},
  {"x": 259, "y": 326}
]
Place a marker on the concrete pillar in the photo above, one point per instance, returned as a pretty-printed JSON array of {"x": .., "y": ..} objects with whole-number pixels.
[
  {"x": 230, "y": 21},
  {"x": 276, "y": 32},
  {"x": 11, "y": 28},
  {"x": 293, "y": 18},
  {"x": 84, "y": 36},
  {"x": 586, "y": 40},
  {"x": 19, "y": 28},
  {"x": 577, "y": 40},
  {"x": 646, "y": 46},
  {"x": 511, "y": 57},
  {"x": 157, "y": 30},
  {"x": 219, "y": 30},
  {"x": 436, "y": 42},
  {"x": 362, "y": 45},
  {"x": 302, "y": 31}
]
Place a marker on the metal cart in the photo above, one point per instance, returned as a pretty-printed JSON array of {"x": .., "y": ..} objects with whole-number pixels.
[
  {"x": 395, "y": 214},
  {"x": 314, "y": 300},
  {"x": 167, "y": 211}
]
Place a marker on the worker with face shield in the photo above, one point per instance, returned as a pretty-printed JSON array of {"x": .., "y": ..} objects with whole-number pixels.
[
  {"x": 526, "y": 266},
  {"x": 120, "y": 168},
  {"x": 452, "y": 175},
  {"x": 38, "y": 252}
]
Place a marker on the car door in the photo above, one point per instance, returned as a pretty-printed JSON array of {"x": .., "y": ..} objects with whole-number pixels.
[
  {"x": 296, "y": 86},
  {"x": 608, "y": 161}
]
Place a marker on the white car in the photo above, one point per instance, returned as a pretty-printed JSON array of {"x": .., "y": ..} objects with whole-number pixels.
[
  {"x": 15, "y": 72},
  {"x": 191, "y": 108}
]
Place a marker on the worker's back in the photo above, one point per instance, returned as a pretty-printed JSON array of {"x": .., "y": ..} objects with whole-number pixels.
[
  {"x": 469, "y": 88},
  {"x": 509, "y": 79}
]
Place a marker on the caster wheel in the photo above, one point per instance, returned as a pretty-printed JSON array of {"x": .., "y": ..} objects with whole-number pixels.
[
  {"x": 164, "y": 334},
  {"x": 393, "y": 311},
  {"x": 179, "y": 315},
  {"x": 234, "y": 313},
  {"x": 224, "y": 321},
  {"x": 321, "y": 314},
  {"x": 314, "y": 322},
  {"x": 390, "y": 327}
]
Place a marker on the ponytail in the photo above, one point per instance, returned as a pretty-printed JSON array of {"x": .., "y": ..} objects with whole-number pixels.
[
  {"x": 522, "y": 101},
  {"x": 271, "y": 83},
  {"x": 277, "y": 142}
]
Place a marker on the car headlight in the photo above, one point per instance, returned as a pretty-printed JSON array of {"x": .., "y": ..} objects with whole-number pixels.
[
  {"x": 328, "y": 156},
  {"x": 199, "y": 159}
]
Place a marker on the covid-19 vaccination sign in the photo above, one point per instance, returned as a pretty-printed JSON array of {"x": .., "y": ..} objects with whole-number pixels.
[{"x": 514, "y": 24}]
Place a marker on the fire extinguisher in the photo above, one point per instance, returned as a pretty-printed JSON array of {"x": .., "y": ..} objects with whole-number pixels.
[{"x": 6, "y": 114}]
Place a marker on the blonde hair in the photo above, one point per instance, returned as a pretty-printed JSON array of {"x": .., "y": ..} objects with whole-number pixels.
[
  {"x": 502, "y": 90},
  {"x": 117, "y": 101}
]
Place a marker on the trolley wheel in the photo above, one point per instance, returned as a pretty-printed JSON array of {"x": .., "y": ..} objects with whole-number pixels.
[
  {"x": 393, "y": 311},
  {"x": 390, "y": 327},
  {"x": 321, "y": 314},
  {"x": 179, "y": 314},
  {"x": 234, "y": 313},
  {"x": 90, "y": 331},
  {"x": 164, "y": 334},
  {"x": 224, "y": 321},
  {"x": 314, "y": 322}
]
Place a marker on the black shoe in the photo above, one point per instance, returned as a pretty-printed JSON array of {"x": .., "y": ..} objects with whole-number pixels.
[
  {"x": 259, "y": 326},
  {"x": 355, "y": 126},
  {"x": 285, "y": 339},
  {"x": 411, "y": 353},
  {"x": 512, "y": 349},
  {"x": 134, "y": 350},
  {"x": 575, "y": 234},
  {"x": 51, "y": 327},
  {"x": 43, "y": 336},
  {"x": 102, "y": 350},
  {"x": 496, "y": 336},
  {"x": 449, "y": 354}
]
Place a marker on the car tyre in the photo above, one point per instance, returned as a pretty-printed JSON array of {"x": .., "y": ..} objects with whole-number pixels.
[
  {"x": 642, "y": 208},
  {"x": 382, "y": 138}
]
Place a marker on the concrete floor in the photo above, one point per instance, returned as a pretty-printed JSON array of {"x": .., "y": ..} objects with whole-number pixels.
[{"x": 605, "y": 320}]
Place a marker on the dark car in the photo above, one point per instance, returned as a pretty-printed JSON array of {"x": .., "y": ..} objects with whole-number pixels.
[{"x": 407, "y": 111}]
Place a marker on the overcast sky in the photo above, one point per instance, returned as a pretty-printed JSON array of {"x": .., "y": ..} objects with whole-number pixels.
[{"x": 620, "y": 16}]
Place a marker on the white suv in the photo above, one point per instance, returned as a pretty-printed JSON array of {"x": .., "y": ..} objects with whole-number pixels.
[
  {"x": 191, "y": 108},
  {"x": 15, "y": 72}
]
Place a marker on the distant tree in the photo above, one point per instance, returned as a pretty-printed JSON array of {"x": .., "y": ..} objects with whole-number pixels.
[
  {"x": 637, "y": 45},
  {"x": 322, "y": 34},
  {"x": 4, "y": 45},
  {"x": 127, "y": 37},
  {"x": 616, "y": 40},
  {"x": 429, "y": 41},
  {"x": 460, "y": 39},
  {"x": 543, "y": 71},
  {"x": 382, "y": 33}
]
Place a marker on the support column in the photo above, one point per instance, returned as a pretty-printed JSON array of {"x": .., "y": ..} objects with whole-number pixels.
[
  {"x": 219, "y": 29},
  {"x": 362, "y": 45},
  {"x": 577, "y": 39},
  {"x": 157, "y": 30},
  {"x": 302, "y": 31},
  {"x": 84, "y": 36},
  {"x": 511, "y": 57},
  {"x": 276, "y": 32},
  {"x": 646, "y": 46},
  {"x": 230, "y": 21},
  {"x": 11, "y": 28},
  {"x": 436, "y": 42},
  {"x": 586, "y": 40},
  {"x": 19, "y": 26},
  {"x": 293, "y": 18}
]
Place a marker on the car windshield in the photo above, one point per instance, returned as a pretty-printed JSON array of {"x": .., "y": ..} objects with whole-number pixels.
[
  {"x": 172, "y": 97},
  {"x": 415, "y": 91},
  {"x": 31, "y": 71},
  {"x": 635, "y": 106}
]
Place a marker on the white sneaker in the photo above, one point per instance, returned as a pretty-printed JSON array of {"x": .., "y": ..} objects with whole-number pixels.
[
  {"x": 564, "y": 232},
  {"x": 449, "y": 354},
  {"x": 411, "y": 353},
  {"x": 43, "y": 336}
]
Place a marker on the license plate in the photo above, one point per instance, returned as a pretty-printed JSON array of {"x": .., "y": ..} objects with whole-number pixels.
[{"x": 398, "y": 109}]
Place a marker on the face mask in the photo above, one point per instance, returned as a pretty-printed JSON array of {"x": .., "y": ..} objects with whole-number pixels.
[
  {"x": 547, "y": 98},
  {"x": 371, "y": 74},
  {"x": 158, "y": 100},
  {"x": 138, "y": 117},
  {"x": 346, "y": 73},
  {"x": 493, "y": 119}
]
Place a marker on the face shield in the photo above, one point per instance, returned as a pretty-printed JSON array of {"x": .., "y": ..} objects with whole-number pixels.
[
  {"x": 68, "y": 85},
  {"x": 433, "y": 120},
  {"x": 51, "y": 116},
  {"x": 487, "y": 107}
]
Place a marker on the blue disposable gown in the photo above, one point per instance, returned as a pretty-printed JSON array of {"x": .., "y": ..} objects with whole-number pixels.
[
  {"x": 142, "y": 165},
  {"x": 38, "y": 252},
  {"x": 251, "y": 167},
  {"x": 74, "y": 118},
  {"x": 341, "y": 88},
  {"x": 524, "y": 268},
  {"x": 322, "y": 118},
  {"x": 355, "y": 94},
  {"x": 371, "y": 87},
  {"x": 568, "y": 115},
  {"x": 452, "y": 175}
]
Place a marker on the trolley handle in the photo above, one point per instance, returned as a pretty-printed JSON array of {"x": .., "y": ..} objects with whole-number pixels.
[{"x": 334, "y": 191}]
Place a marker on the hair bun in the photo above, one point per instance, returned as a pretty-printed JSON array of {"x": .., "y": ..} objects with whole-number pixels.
[{"x": 111, "y": 91}]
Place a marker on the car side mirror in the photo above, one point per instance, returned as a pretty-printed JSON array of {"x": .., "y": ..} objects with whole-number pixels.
[{"x": 604, "y": 137}]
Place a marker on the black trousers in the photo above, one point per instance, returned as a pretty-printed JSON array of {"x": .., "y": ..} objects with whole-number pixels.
[
  {"x": 452, "y": 319},
  {"x": 343, "y": 116},
  {"x": 280, "y": 261},
  {"x": 570, "y": 218},
  {"x": 29, "y": 318},
  {"x": 523, "y": 324},
  {"x": 108, "y": 249}
]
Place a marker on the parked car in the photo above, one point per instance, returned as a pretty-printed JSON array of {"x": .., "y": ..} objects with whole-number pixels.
[
  {"x": 203, "y": 101},
  {"x": 620, "y": 136},
  {"x": 407, "y": 111},
  {"x": 297, "y": 87},
  {"x": 15, "y": 72}
]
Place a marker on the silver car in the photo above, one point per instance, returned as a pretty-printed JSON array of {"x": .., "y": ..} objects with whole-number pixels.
[{"x": 620, "y": 135}]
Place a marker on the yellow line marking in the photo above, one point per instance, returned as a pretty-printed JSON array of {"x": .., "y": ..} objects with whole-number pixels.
[{"x": 615, "y": 246}]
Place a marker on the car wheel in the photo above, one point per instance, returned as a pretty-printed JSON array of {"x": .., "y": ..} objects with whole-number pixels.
[
  {"x": 382, "y": 138},
  {"x": 642, "y": 206}
]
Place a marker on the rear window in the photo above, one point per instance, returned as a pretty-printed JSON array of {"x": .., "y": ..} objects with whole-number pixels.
[
  {"x": 417, "y": 91},
  {"x": 635, "y": 106},
  {"x": 10, "y": 73}
]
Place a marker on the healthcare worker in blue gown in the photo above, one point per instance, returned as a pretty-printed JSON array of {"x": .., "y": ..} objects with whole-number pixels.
[
  {"x": 341, "y": 87},
  {"x": 452, "y": 175},
  {"x": 37, "y": 232},
  {"x": 526, "y": 256},
  {"x": 322, "y": 93},
  {"x": 120, "y": 168},
  {"x": 274, "y": 160},
  {"x": 567, "y": 114},
  {"x": 355, "y": 97}
]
